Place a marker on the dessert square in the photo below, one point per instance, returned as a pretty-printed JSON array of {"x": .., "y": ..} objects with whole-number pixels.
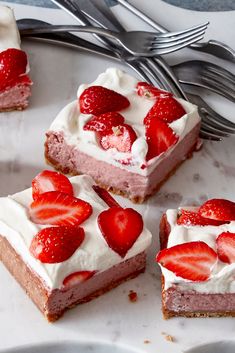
[
  {"x": 14, "y": 80},
  {"x": 66, "y": 245},
  {"x": 127, "y": 135},
  {"x": 198, "y": 260}
]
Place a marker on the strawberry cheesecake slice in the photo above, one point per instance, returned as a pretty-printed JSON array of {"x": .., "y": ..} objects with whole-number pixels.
[
  {"x": 68, "y": 241},
  {"x": 128, "y": 135},
  {"x": 197, "y": 260},
  {"x": 14, "y": 81}
]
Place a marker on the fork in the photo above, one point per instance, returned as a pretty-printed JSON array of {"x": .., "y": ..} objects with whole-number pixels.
[
  {"x": 214, "y": 126},
  {"x": 138, "y": 43},
  {"x": 213, "y": 47},
  {"x": 206, "y": 75}
]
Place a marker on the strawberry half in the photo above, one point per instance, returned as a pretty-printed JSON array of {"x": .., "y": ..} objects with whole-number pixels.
[
  {"x": 159, "y": 137},
  {"x": 146, "y": 90},
  {"x": 104, "y": 122},
  {"x": 58, "y": 208},
  {"x": 13, "y": 64},
  {"x": 193, "y": 261},
  {"x": 219, "y": 209},
  {"x": 166, "y": 109},
  {"x": 105, "y": 196},
  {"x": 98, "y": 100},
  {"x": 121, "y": 138},
  {"x": 48, "y": 180},
  {"x": 225, "y": 243},
  {"x": 121, "y": 228},
  {"x": 56, "y": 244},
  {"x": 75, "y": 278},
  {"x": 190, "y": 218}
]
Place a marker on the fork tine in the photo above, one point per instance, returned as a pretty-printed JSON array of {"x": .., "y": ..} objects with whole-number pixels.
[
  {"x": 159, "y": 39},
  {"x": 209, "y": 120},
  {"x": 170, "y": 34},
  {"x": 176, "y": 47},
  {"x": 219, "y": 88},
  {"x": 221, "y": 72},
  {"x": 227, "y": 84},
  {"x": 220, "y": 132},
  {"x": 217, "y": 117},
  {"x": 204, "y": 134},
  {"x": 212, "y": 131},
  {"x": 176, "y": 41}
]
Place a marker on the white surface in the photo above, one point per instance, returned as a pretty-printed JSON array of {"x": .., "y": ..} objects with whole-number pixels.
[{"x": 211, "y": 173}]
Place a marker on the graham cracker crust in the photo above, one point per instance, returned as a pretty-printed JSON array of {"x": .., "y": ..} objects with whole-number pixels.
[
  {"x": 137, "y": 200},
  {"x": 16, "y": 108}
]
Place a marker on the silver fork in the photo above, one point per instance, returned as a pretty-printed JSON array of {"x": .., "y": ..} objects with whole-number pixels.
[
  {"x": 214, "y": 126},
  {"x": 206, "y": 75},
  {"x": 213, "y": 47},
  {"x": 138, "y": 43}
]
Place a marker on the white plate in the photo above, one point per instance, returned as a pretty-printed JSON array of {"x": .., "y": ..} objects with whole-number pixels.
[{"x": 56, "y": 73}]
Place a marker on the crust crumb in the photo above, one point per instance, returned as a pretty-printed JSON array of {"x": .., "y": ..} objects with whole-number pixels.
[
  {"x": 133, "y": 296},
  {"x": 168, "y": 337},
  {"x": 147, "y": 341}
]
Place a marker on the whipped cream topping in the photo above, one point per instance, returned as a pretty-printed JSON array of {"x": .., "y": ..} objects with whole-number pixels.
[
  {"x": 70, "y": 122},
  {"x": 9, "y": 34},
  {"x": 222, "y": 278},
  {"x": 94, "y": 254}
]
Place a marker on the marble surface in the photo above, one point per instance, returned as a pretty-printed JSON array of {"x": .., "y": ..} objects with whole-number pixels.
[
  {"x": 198, "y": 5},
  {"x": 139, "y": 326}
]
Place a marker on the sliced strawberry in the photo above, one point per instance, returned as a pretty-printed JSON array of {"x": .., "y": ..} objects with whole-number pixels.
[
  {"x": 48, "y": 180},
  {"x": 159, "y": 137},
  {"x": 120, "y": 228},
  {"x": 105, "y": 196},
  {"x": 58, "y": 208},
  {"x": 104, "y": 122},
  {"x": 56, "y": 244},
  {"x": 146, "y": 90},
  {"x": 225, "y": 243},
  {"x": 98, "y": 100},
  {"x": 121, "y": 138},
  {"x": 193, "y": 261},
  {"x": 219, "y": 209},
  {"x": 166, "y": 109},
  {"x": 77, "y": 277},
  {"x": 189, "y": 218},
  {"x": 13, "y": 63}
]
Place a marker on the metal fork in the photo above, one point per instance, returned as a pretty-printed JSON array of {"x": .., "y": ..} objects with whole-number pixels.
[
  {"x": 206, "y": 75},
  {"x": 214, "y": 126},
  {"x": 138, "y": 43},
  {"x": 213, "y": 47}
]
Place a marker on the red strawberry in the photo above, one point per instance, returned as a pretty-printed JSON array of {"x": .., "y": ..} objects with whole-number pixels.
[
  {"x": 121, "y": 138},
  {"x": 104, "y": 122},
  {"x": 189, "y": 218},
  {"x": 193, "y": 261},
  {"x": 13, "y": 63},
  {"x": 105, "y": 196},
  {"x": 56, "y": 244},
  {"x": 58, "y": 208},
  {"x": 98, "y": 100},
  {"x": 219, "y": 209},
  {"x": 166, "y": 109},
  {"x": 226, "y": 247},
  {"x": 159, "y": 137},
  {"x": 48, "y": 180},
  {"x": 146, "y": 90},
  {"x": 77, "y": 277},
  {"x": 120, "y": 228}
]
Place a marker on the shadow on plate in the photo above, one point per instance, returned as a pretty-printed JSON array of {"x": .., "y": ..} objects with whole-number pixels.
[
  {"x": 216, "y": 347},
  {"x": 70, "y": 347}
]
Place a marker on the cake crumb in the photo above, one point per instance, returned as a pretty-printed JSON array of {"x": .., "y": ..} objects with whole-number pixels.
[
  {"x": 133, "y": 297},
  {"x": 147, "y": 341},
  {"x": 168, "y": 337}
]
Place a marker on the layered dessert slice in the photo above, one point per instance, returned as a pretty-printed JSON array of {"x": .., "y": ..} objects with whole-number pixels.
[
  {"x": 128, "y": 135},
  {"x": 68, "y": 241},
  {"x": 14, "y": 80},
  {"x": 198, "y": 260}
]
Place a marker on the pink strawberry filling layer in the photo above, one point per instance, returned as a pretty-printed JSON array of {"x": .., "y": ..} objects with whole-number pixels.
[{"x": 15, "y": 97}]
